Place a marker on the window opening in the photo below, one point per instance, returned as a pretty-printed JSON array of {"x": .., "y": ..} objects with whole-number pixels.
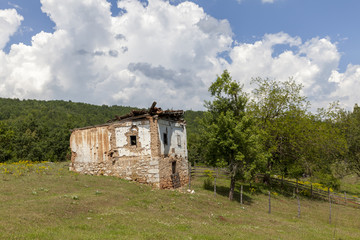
[
  {"x": 173, "y": 166},
  {"x": 165, "y": 139},
  {"x": 179, "y": 140},
  {"x": 133, "y": 140}
]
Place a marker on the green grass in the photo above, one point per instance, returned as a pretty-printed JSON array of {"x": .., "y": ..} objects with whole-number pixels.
[
  {"x": 54, "y": 203},
  {"x": 350, "y": 184}
]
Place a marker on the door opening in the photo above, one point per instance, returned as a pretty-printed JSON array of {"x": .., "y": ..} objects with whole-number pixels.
[{"x": 173, "y": 167}]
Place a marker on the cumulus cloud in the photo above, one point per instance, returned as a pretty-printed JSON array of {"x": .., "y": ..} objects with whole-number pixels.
[
  {"x": 9, "y": 23},
  {"x": 159, "y": 51},
  {"x": 312, "y": 63},
  {"x": 347, "y": 85}
]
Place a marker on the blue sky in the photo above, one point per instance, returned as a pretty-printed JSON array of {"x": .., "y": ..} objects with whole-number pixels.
[
  {"x": 335, "y": 19},
  {"x": 316, "y": 42}
]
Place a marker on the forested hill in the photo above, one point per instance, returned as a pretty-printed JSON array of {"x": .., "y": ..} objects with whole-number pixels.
[{"x": 40, "y": 130}]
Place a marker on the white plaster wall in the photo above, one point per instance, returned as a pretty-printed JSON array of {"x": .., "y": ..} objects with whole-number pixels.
[
  {"x": 120, "y": 136},
  {"x": 173, "y": 130},
  {"x": 90, "y": 145},
  {"x": 144, "y": 139}
]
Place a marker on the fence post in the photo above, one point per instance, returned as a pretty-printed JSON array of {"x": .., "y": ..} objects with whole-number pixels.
[
  {"x": 329, "y": 205},
  {"x": 190, "y": 175},
  {"x": 298, "y": 200},
  {"x": 269, "y": 202},
  {"x": 297, "y": 197},
  {"x": 241, "y": 194},
  {"x": 311, "y": 191},
  {"x": 345, "y": 197},
  {"x": 215, "y": 181}
]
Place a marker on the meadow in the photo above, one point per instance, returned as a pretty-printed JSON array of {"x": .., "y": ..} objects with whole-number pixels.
[{"x": 46, "y": 201}]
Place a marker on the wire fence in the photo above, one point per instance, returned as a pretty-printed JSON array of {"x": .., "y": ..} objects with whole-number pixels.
[{"x": 312, "y": 190}]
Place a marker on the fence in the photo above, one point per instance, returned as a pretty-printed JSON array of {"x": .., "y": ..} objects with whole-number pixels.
[{"x": 308, "y": 189}]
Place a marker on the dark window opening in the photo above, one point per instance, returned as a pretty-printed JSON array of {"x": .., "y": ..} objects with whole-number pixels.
[
  {"x": 173, "y": 165},
  {"x": 165, "y": 139},
  {"x": 133, "y": 140},
  {"x": 179, "y": 140}
]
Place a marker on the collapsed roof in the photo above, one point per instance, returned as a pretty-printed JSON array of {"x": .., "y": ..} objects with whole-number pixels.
[{"x": 177, "y": 115}]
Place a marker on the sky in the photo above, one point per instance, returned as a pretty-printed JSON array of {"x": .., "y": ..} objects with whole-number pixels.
[{"x": 134, "y": 52}]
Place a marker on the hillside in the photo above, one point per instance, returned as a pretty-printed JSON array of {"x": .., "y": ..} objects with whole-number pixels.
[
  {"x": 40, "y": 130},
  {"x": 46, "y": 201}
]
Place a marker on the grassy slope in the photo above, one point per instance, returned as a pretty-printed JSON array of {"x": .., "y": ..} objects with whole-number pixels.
[{"x": 58, "y": 204}]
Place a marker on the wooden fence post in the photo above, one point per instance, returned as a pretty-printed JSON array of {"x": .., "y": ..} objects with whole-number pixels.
[
  {"x": 345, "y": 197},
  {"x": 329, "y": 205},
  {"x": 189, "y": 175},
  {"x": 311, "y": 191},
  {"x": 241, "y": 194},
  {"x": 215, "y": 181},
  {"x": 297, "y": 197},
  {"x": 269, "y": 202},
  {"x": 298, "y": 200}
]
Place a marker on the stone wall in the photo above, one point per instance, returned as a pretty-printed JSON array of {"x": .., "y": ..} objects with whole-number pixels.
[
  {"x": 167, "y": 175},
  {"x": 141, "y": 170},
  {"x": 173, "y": 152}
]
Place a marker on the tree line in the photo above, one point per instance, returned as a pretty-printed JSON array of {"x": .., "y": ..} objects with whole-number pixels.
[{"x": 272, "y": 131}]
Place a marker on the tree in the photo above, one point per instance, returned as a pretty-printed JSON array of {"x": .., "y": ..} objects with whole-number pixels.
[
  {"x": 229, "y": 134},
  {"x": 325, "y": 147},
  {"x": 299, "y": 142},
  {"x": 280, "y": 111},
  {"x": 6, "y": 143},
  {"x": 351, "y": 126}
]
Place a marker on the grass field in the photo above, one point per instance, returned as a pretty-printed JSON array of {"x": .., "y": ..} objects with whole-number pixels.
[{"x": 46, "y": 201}]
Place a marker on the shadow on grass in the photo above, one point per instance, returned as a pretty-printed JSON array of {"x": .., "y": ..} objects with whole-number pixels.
[{"x": 224, "y": 191}]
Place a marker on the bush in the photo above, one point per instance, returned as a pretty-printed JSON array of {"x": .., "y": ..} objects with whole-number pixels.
[{"x": 208, "y": 183}]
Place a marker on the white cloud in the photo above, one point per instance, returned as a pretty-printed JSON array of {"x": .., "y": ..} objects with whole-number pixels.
[
  {"x": 156, "y": 52},
  {"x": 348, "y": 85},
  {"x": 9, "y": 23},
  {"x": 311, "y": 63},
  {"x": 163, "y": 52},
  {"x": 14, "y": 5}
]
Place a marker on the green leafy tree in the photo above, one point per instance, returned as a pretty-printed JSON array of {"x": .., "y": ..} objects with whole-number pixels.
[
  {"x": 299, "y": 142},
  {"x": 229, "y": 134},
  {"x": 6, "y": 143},
  {"x": 351, "y": 127},
  {"x": 325, "y": 147},
  {"x": 194, "y": 146},
  {"x": 280, "y": 111}
]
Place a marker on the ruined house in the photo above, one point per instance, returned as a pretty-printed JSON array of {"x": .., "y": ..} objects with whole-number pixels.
[{"x": 147, "y": 146}]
